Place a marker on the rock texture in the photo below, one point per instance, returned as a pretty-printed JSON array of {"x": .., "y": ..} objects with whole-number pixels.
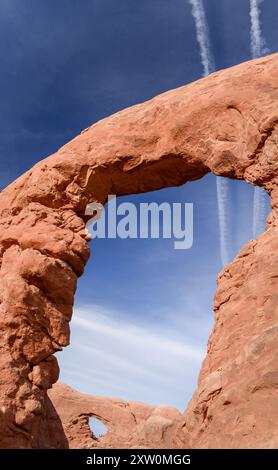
[
  {"x": 129, "y": 424},
  {"x": 236, "y": 403},
  {"x": 226, "y": 123}
]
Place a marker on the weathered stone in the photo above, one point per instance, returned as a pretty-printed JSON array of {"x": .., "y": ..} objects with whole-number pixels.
[
  {"x": 226, "y": 123},
  {"x": 129, "y": 424}
]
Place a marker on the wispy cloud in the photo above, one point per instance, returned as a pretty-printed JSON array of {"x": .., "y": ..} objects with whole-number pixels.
[{"x": 112, "y": 356}]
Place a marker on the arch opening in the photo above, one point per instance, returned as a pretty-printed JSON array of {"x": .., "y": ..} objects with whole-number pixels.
[
  {"x": 144, "y": 310},
  {"x": 97, "y": 427}
]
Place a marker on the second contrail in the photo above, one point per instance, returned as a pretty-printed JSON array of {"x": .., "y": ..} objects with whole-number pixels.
[
  {"x": 257, "y": 48},
  {"x": 208, "y": 63}
]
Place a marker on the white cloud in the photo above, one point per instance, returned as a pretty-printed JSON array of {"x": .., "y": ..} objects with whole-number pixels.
[{"x": 112, "y": 356}]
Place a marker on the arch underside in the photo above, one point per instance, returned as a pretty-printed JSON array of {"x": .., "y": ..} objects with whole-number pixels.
[{"x": 226, "y": 123}]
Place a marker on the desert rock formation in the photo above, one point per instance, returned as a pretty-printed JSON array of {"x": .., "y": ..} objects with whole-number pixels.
[
  {"x": 226, "y": 123},
  {"x": 129, "y": 424}
]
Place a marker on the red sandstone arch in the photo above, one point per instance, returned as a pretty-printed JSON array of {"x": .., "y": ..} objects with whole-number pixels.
[{"x": 225, "y": 123}]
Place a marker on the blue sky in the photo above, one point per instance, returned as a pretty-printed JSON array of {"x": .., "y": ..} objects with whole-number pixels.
[{"x": 143, "y": 310}]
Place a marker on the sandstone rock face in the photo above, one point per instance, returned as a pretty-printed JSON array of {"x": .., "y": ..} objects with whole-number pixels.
[
  {"x": 236, "y": 403},
  {"x": 129, "y": 424},
  {"x": 226, "y": 123}
]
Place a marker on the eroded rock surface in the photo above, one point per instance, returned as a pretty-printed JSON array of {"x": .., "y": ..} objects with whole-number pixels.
[
  {"x": 236, "y": 403},
  {"x": 129, "y": 424},
  {"x": 225, "y": 123}
]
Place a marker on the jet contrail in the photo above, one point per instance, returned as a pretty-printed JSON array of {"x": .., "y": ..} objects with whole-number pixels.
[
  {"x": 257, "y": 42},
  {"x": 260, "y": 211},
  {"x": 222, "y": 186},
  {"x": 223, "y": 189},
  {"x": 199, "y": 15},
  {"x": 257, "y": 46}
]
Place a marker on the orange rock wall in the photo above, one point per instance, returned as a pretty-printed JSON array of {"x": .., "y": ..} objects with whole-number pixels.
[{"x": 225, "y": 123}]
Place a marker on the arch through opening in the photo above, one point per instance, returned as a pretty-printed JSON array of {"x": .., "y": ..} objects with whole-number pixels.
[
  {"x": 97, "y": 427},
  {"x": 144, "y": 311}
]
